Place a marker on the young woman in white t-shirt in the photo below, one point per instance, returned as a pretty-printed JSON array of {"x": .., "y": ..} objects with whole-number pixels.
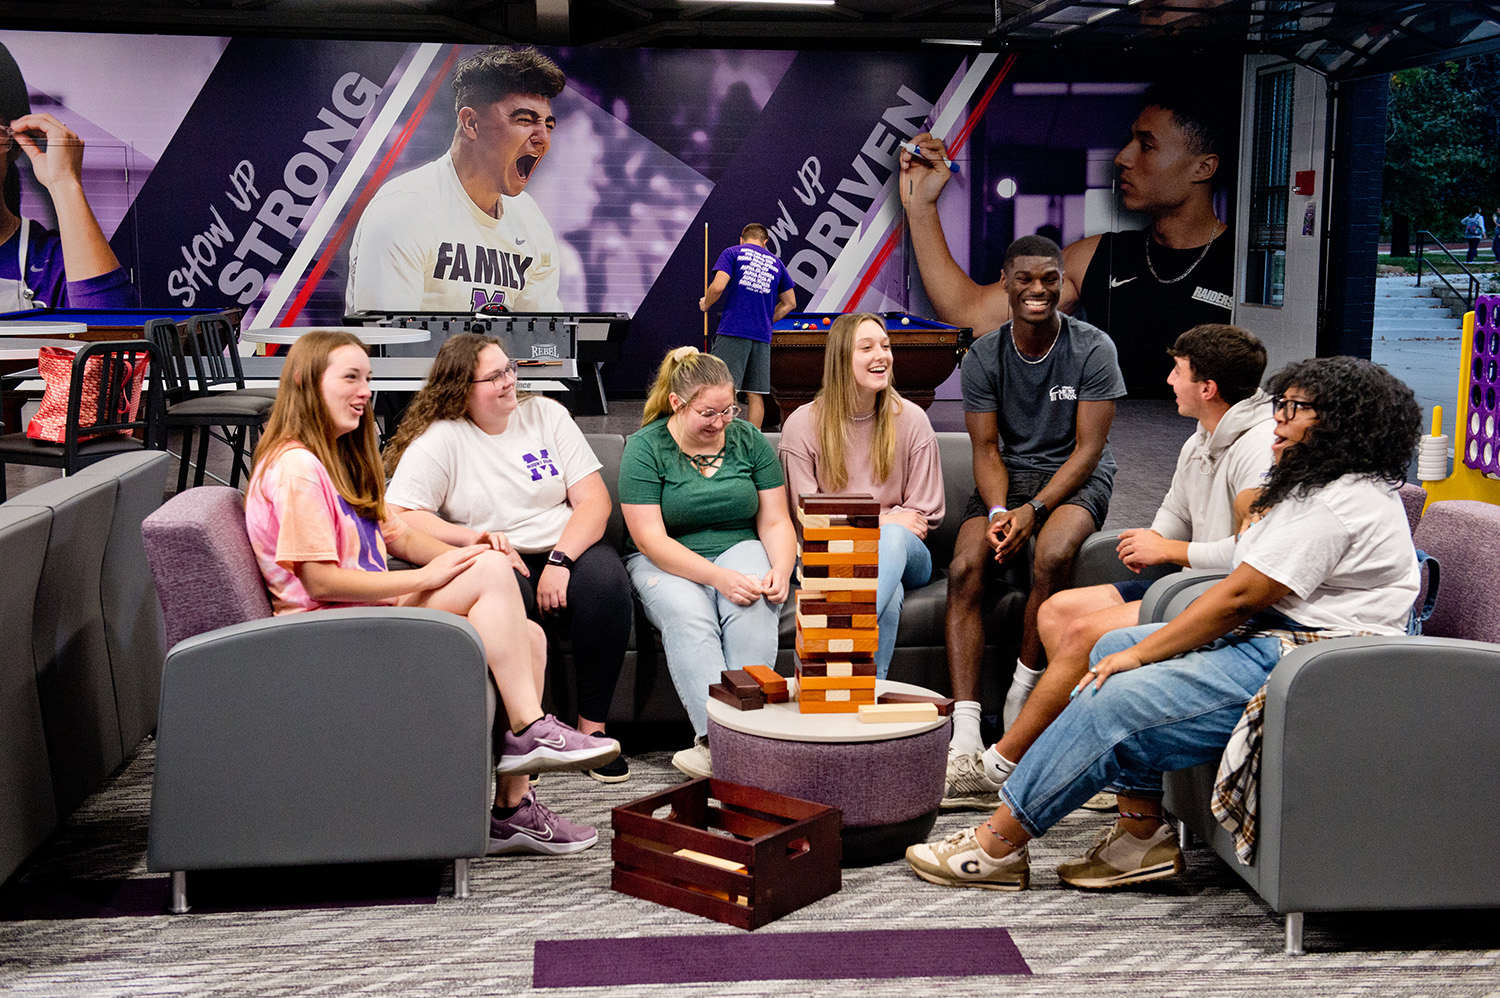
[
  {"x": 474, "y": 461},
  {"x": 1331, "y": 555}
]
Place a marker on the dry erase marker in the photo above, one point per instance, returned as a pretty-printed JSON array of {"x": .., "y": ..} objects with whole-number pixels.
[{"x": 921, "y": 154}]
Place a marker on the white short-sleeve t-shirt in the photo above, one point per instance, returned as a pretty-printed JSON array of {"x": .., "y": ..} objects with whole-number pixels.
[
  {"x": 516, "y": 481},
  {"x": 1345, "y": 552}
]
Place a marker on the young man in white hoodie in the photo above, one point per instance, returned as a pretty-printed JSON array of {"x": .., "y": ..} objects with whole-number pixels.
[{"x": 1215, "y": 375}]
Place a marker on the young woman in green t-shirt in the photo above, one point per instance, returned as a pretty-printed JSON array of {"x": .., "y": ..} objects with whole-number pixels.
[{"x": 711, "y": 541}]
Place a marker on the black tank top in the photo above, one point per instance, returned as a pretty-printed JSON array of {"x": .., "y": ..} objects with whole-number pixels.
[{"x": 1144, "y": 312}]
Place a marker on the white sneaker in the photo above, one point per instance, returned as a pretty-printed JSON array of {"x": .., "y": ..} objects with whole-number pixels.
[
  {"x": 958, "y": 861},
  {"x": 966, "y": 787},
  {"x": 695, "y": 760}
]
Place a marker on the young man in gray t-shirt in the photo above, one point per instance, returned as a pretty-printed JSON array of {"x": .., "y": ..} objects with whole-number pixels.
[{"x": 1038, "y": 403}]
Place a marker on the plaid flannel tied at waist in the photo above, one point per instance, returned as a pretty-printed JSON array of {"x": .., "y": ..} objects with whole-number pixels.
[{"x": 1236, "y": 793}]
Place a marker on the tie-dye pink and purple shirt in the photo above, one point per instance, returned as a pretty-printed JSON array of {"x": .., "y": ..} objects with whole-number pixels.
[{"x": 293, "y": 514}]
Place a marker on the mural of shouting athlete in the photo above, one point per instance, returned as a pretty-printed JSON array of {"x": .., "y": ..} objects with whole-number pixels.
[
  {"x": 461, "y": 232},
  {"x": 1142, "y": 287}
]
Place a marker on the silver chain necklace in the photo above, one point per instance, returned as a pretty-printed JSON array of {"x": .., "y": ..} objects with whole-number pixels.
[
  {"x": 1044, "y": 356},
  {"x": 1191, "y": 267}
]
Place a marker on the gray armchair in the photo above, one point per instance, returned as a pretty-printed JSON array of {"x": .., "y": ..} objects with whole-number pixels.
[
  {"x": 1408, "y": 722},
  {"x": 347, "y": 735}
]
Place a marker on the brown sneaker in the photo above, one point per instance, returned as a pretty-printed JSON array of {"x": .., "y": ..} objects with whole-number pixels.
[
  {"x": 1119, "y": 858},
  {"x": 959, "y": 861}
]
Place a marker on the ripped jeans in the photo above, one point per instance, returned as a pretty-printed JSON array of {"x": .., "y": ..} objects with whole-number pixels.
[{"x": 704, "y": 632}]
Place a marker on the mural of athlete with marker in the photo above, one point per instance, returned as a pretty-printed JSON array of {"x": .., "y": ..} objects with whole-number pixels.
[
  {"x": 461, "y": 233},
  {"x": 1142, "y": 287}
]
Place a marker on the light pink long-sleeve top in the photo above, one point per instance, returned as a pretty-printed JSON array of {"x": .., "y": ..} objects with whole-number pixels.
[{"x": 916, "y": 481}]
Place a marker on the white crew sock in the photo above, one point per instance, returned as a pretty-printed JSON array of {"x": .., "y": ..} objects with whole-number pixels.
[
  {"x": 966, "y": 737},
  {"x": 997, "y": 768},
  {"x": 1021, "y": 685}
]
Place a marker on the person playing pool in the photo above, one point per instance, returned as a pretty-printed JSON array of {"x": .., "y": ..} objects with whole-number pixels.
[
  {"x": 461, "y": 234},
  {"x": 1142, "y": 287},
  {"x": 73, "y": 266},
  {"x": 759, "y": 292}
]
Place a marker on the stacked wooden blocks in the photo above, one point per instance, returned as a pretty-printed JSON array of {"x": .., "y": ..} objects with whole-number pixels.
[{"x": 836, "y": 627}]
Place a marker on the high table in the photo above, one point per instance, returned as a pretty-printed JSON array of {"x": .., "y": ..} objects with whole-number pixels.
[
  {"x": 887, "y": 779},
  {"x": 59, "y": 330}
]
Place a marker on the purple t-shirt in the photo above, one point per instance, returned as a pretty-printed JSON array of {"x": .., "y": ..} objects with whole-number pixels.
[
  {"x": 756, "y": 280},
  {"x": 47, "y": 279}
]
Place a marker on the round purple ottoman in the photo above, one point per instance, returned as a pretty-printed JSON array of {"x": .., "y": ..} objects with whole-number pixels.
[{"x": 888, "y": 783}]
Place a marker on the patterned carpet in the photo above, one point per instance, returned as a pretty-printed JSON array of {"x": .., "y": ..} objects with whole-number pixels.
[{"x": 1200, "y": 935}]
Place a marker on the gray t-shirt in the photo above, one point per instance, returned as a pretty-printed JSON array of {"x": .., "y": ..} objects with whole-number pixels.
[{"x": 1037, "y": 404}]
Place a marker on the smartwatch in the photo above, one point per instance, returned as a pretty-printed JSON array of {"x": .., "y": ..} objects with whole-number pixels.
[
  {"x": 1040, "y": 508},
  {"x": 556, "y": 557}
]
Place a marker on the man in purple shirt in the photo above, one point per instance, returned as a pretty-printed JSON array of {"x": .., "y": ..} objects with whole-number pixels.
[
  {"x": 75, "y": 265},
  {"x": 759, "y": 292}
]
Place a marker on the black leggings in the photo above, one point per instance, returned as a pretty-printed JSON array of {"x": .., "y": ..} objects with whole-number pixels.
[{"x": 597, "y": 619}]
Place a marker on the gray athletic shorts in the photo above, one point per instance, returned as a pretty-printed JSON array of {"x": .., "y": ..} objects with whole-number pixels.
[
  {"x": 749, "y": 362},
  {"x": 1092, "y": 495}
]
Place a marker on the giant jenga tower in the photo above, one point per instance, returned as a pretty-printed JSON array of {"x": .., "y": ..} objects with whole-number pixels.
[{"x": 836, "y": 627}]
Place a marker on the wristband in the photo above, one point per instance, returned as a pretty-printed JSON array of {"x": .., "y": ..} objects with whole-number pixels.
[{"x": 997, "y": 508}]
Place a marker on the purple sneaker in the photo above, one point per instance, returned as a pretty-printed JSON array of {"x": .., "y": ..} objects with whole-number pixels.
[
  {"x": 550, "y": 745},
  {"x": 535, "y": 828}
]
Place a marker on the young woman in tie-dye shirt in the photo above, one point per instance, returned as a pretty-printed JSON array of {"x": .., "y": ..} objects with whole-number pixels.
[{"x": 316, "y": 516}]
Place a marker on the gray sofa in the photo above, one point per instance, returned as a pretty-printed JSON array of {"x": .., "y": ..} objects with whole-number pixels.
[
  {"x": 80, "y": 642},
  {"x": 645, "y": 691}
]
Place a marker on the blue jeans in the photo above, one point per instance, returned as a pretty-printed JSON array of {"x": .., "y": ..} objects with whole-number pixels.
[
  {"x": 702, "y": 630},
  {"x": 905, "y": 563},
  {"x": 1163, "y": 716}
]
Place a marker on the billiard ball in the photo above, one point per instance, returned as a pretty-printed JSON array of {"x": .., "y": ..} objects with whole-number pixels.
[
  {"x": 826, "y": 320},
  {"x": 905, "y": 320}
]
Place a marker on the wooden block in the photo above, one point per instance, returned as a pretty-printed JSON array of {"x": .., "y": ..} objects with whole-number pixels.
[
  {"x": 891, "y": 713},
  {"x": 771, "y": 684},
  {"x": 835, "y": 682},
  {"x": 868, "y": 534},
  {"x": 836, "y": 633},
  {"x": 812, "y": 707},
  {"x": 814, "y": 604},
  {"x": 828, "y": 521},
  {"x": 837, "y": 646},
  {"x": 840, "y": 571},
  {"x": 721, "y": 692},
  {"x": 842, "y": 547},
  {"x": 839, "y": 621},
  {"x": 836, "y": 667},
  {"x": 859, "y": 504},
  {"x": 944, "y": 705},
  {"x": 815, "y": 558},
  {"x": 839, "y": 697},
  {"x": 743, "y": 684},
  {"x": 843, "y": 590}
]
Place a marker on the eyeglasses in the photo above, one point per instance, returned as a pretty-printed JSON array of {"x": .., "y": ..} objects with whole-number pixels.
[
  {"x": 509, "y": 372},
  {"x": 1290, "y": 409},
  {"x": 710, "y": 415}
]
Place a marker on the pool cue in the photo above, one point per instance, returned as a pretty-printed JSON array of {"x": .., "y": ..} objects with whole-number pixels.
[{"x": 705, "y": 286}]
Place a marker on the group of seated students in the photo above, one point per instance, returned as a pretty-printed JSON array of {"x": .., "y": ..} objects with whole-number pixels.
[{"x": 498, "y": 500}]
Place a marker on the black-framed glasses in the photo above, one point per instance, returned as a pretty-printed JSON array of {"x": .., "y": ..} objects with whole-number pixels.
[
  {"x": 510, "y": 371},
  {"x": 727, "y": 413},
  {"x": 1290, "y": 409}
]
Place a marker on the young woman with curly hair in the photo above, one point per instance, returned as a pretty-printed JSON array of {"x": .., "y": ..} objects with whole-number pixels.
[
  {"x": 1331, "y": 555},
  {"x": 860, "y": 436},
  {"x": 316, "y": 514},
  {"x": 475, "y": 462},
  {"x": 712, "y": 546}
]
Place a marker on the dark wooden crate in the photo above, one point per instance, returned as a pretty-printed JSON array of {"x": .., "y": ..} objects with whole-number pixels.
[{"x": 790, "y": 850}]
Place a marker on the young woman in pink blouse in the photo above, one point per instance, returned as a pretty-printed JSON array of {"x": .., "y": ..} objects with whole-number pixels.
[{"x": 860, "y": 435}]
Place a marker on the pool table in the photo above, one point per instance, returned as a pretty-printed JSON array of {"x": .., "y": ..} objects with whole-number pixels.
[{"x": 926, "y": 352}]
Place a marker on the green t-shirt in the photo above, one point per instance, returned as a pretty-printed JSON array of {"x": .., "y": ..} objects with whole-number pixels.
[{"x": 706, "y": 515}]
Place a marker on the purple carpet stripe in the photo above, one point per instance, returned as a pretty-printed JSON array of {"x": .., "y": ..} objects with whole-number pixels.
[{"x": 586, "y": 963}]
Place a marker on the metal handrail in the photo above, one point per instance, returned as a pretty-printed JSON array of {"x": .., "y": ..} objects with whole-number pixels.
[{"x": 1422, "y": 238}]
